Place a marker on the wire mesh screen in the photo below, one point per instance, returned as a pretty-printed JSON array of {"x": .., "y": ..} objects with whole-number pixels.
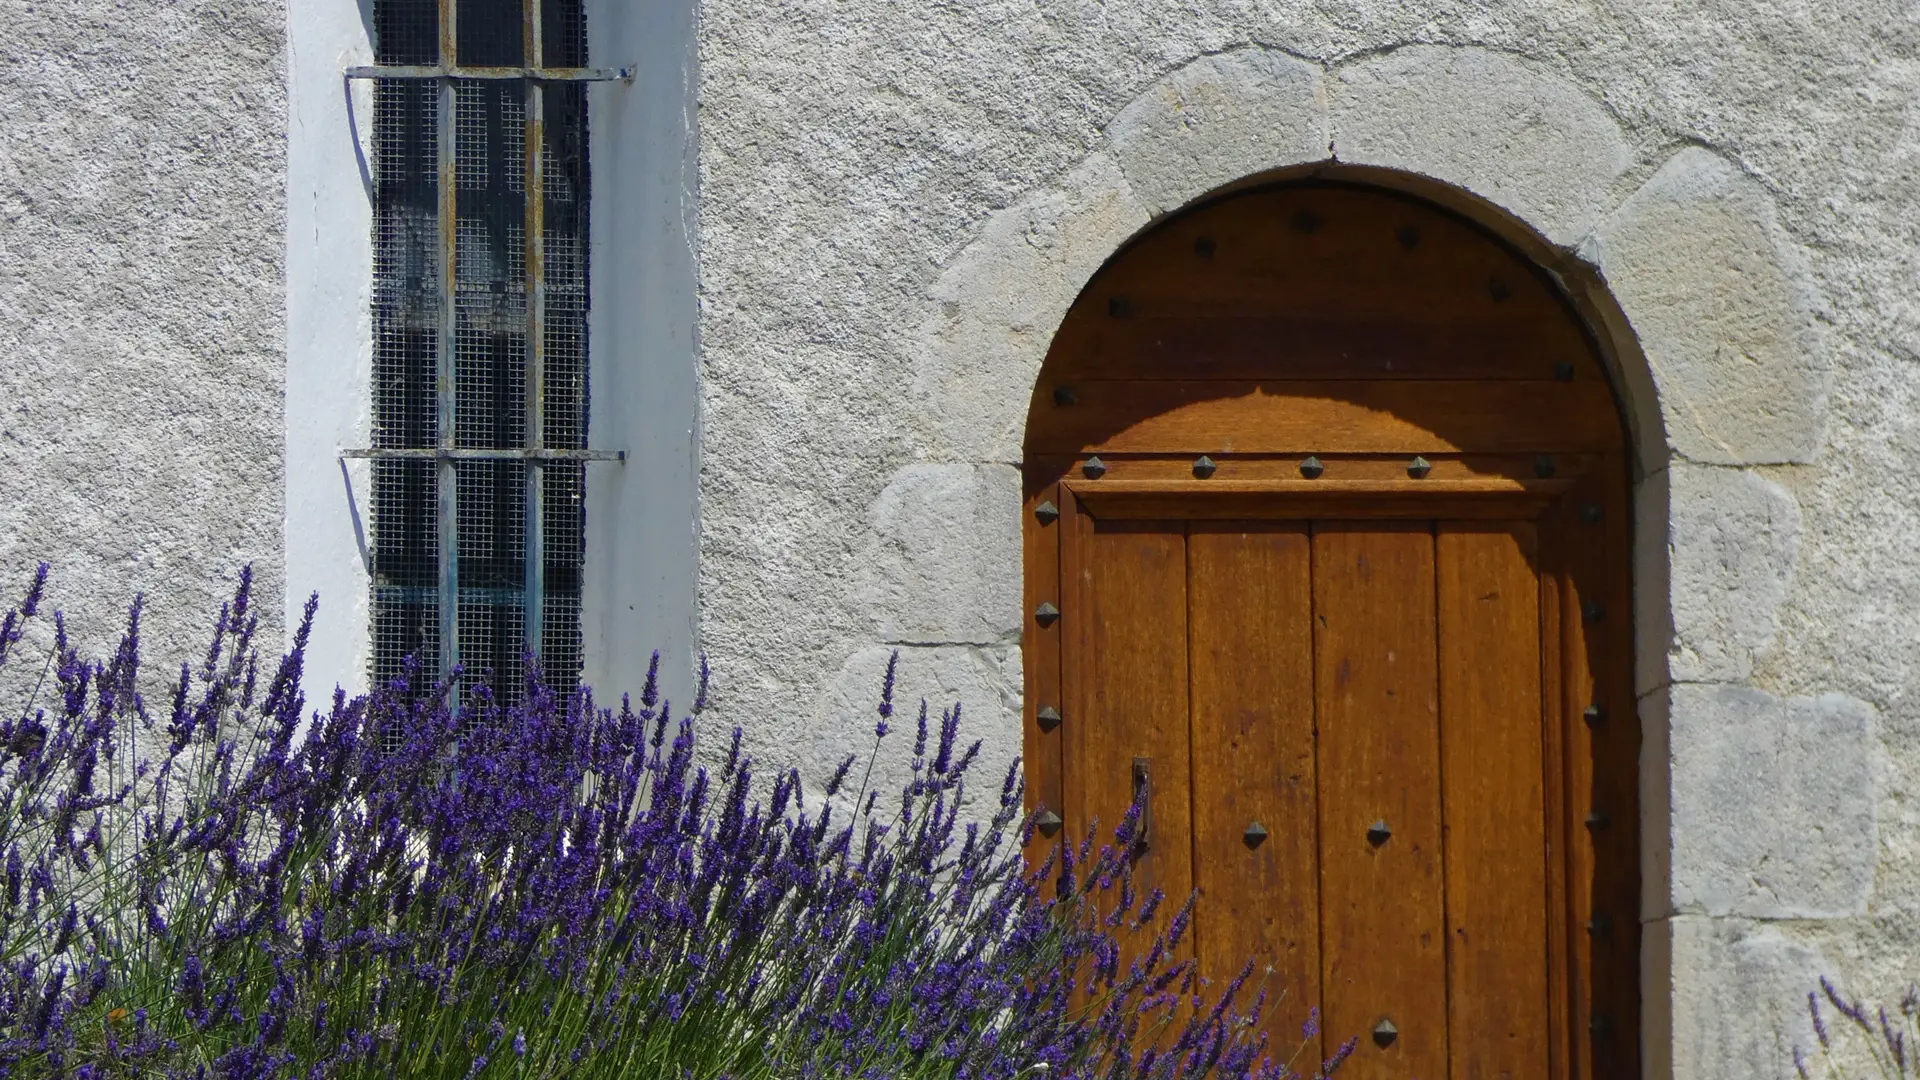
[
  {"x": 406, "y": 321},
  {"x": 492, "y": 33},
  {"x": 483, "y": 572},
  {"x": 564, "y": 34},
  {"x": 564, "y": 330},
  {"x": 490, "y": 284},
  {"x": 406, "y": 32}
]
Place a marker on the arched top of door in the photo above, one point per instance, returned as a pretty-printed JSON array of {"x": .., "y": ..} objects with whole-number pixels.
[{"x": 1321, "y": 318}]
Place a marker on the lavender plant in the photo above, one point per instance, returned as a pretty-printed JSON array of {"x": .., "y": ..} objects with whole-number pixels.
[
  {"x": 429, "y": 883},
  {"x": 1880, "y": 1043}
]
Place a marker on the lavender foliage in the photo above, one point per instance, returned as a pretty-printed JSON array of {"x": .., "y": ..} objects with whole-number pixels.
[
  {"x": 1856, "y": 1041},
  {"x": 425, "y": 882}
]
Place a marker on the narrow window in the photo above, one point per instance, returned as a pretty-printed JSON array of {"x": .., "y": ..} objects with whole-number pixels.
[{"x": 479, "y": 329}]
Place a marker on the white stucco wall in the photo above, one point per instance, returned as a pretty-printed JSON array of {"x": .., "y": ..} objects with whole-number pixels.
[
  {"x": 142, "y": 340},
  {"x": 897, "y": 204},
  {"x": 641, "y": 516},
  {"x": 329, "y": 369}
]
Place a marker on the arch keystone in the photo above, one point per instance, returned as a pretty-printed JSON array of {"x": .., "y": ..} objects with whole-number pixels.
[{"x": 1529, "y": 142}]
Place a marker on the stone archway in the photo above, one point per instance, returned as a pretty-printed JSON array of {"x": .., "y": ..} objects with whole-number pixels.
[{"x": 1676, "y": 259}]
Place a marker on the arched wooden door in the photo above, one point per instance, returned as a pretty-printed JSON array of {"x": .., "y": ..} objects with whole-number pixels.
[{"x": 1328, "y": 489}]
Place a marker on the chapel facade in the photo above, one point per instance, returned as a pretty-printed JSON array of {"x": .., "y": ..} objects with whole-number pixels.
[{"x": 1452, "y": 464}]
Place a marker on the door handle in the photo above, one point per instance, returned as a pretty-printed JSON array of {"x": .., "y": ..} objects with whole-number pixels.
[{"x": 1143, "y": 797}]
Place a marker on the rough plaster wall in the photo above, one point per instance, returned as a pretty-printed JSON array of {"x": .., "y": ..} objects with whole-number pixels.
[
  {"x": 142, "y": 169},
  {"x": 852, "y": 154}
]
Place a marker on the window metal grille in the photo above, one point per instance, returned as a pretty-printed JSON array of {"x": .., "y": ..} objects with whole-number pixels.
[{"x": 479, "y": 323}]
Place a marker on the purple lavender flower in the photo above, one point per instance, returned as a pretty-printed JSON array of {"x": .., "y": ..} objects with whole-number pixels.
[
  {"x": 432, "y": 867},
  {"x": 886, "y": 695}
]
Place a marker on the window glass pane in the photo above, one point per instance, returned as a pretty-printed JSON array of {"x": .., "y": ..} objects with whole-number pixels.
[
  {"x": 490, "y": 348},
  {"x": 404, "y": 538},
  {"x": 406, "y": 32},
  {"x": 496, "y": 500},
  {"x": 493, "y": 570},
  {"x": 564, "y": 412},
  {"x": 566, "y": 258},
  {"x": 564, "y": 34},
  {"x": 492, "y": 33},
  {"x": 406, "y": 565}
]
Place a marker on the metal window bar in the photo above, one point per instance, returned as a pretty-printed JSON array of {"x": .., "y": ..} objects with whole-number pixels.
[
  {"x": 469, "y": 612},
  {"x": 455, "y": 71}
]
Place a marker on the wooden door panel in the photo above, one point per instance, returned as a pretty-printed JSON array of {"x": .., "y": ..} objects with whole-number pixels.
[
  {"x": 1383, "y": 935},
  {"x": 1251, "y": 647},
  {"x": 1129, "y": 668},
  {"x": 1492, "y": 774}
]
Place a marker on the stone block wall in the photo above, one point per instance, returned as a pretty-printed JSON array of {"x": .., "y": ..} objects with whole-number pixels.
[
  {"x": 142, "y": 178},
  {"x": 897, "y": 206}
]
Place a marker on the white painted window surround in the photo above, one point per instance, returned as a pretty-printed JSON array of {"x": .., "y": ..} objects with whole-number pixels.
[{"x": 641, "y": 515}]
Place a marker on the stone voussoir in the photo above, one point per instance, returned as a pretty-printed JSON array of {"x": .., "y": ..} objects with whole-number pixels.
[
  {"x": 999, "y": 302},
  {"x": 1734, "y": 539},
  {"x": 941, "y": 563},
  {"x": 1701, "y": 267},
  {"x": 1218, "y": 120},
  {"x": 1739, "y": 998},
  {"x": 984, "y": 681}
]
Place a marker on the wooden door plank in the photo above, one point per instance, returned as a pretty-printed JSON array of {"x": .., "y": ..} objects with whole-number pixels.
[
  {"x": 1128, "y": 656},
  {"x": 1355, "y": 251},
  {"x": 1270, "y": 290},
  {"x": 1578, "y": 684},
  {"x": 1383, "y": 934},
  {"x": 1396, "y": 472},
  {"x": 1496, "y": 844},
  {"x": 1553, "y": 753},
  {"x": 1348, "y": 417},
  {"x": 1078, "y": 674},
  {"x": 1041, "y": 654},
  {"x": 1294, "y": 344},
  {"x": 1249, "y": 590},
  {"x": 1602, "y": 774},
  {"x": 1306, "y": 500}
]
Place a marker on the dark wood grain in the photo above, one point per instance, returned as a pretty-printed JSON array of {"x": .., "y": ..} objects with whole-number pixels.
[
  {"x": 1490, "y": 765},
  {"x": 1291, "y": 344},
  {"x": 1041, "y": 655},
  {"x": 1250, "y": 597},
  {"x": 1383, "y": 921},
  {"x": 1351, "y": 416},
  {"x": 1127, "y": 658},
  {"x": 1602, "y": 775}
]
